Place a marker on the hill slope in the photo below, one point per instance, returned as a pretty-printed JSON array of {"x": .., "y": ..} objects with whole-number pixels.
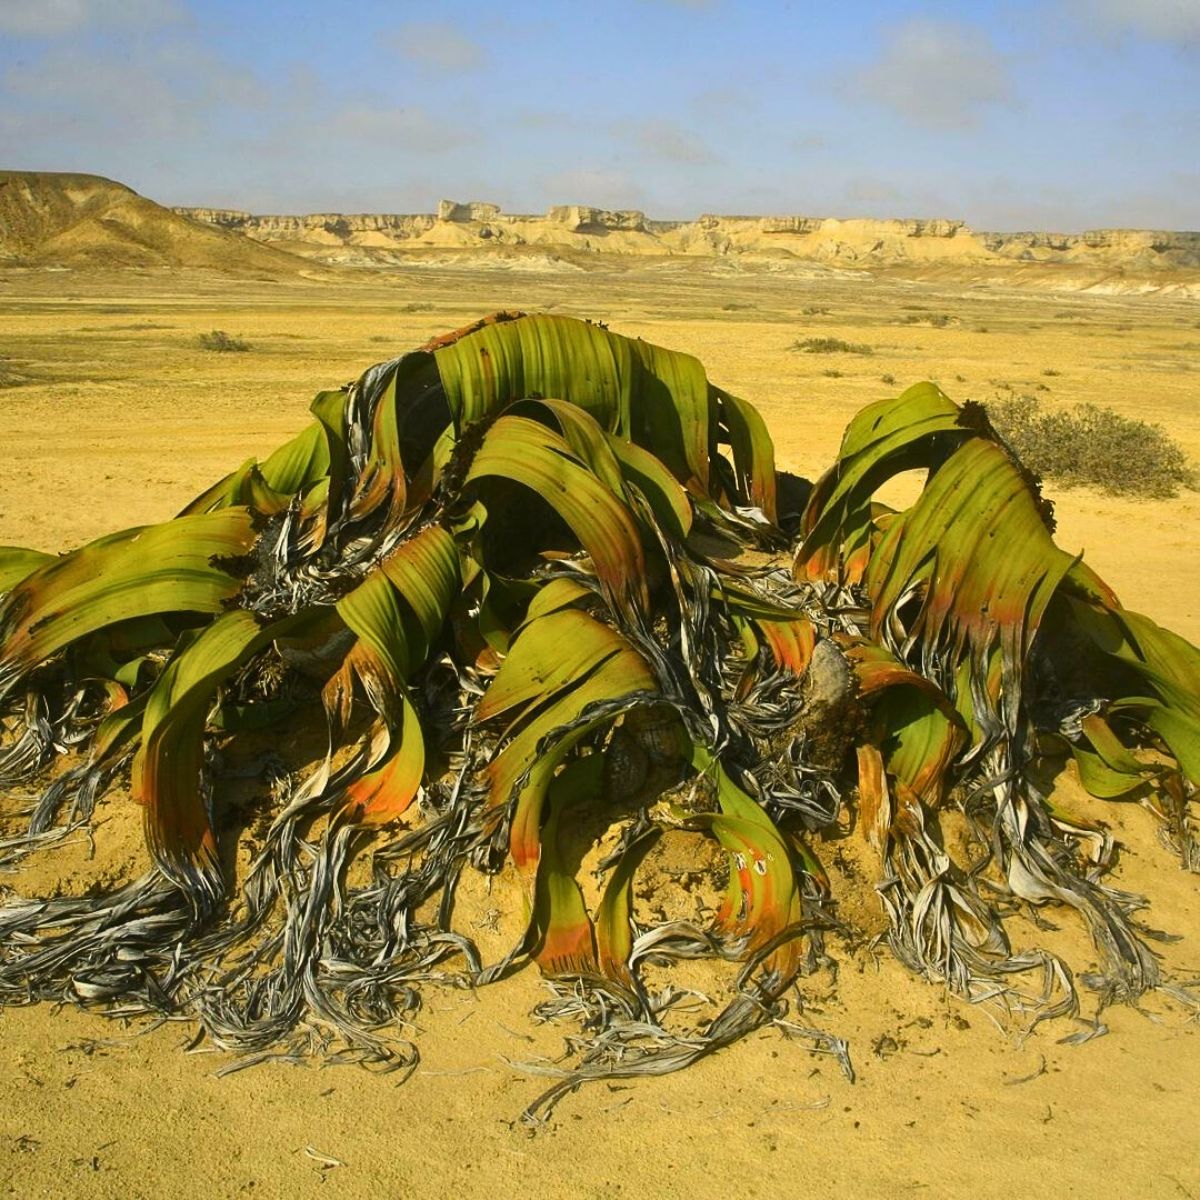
[{"x": 53, "y": 219}]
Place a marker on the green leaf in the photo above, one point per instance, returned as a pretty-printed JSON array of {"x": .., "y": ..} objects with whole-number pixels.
[
  {"x": 168, "y": 769},
  {"x": 882, "y": 440},
  {"x": 528, "y": 453},
  {"x": 668, "y": 501},
  {"x": 762, "y": 899},
  {"x": 16, "y": 563},
  {"x": 185, "y": 565},
  {"x": 556, "y": 651},
  {"x": 567, "y": 944},
  {"x": 614, "y": 918},
  {"x": 384, "y": 794},
  {"x": 753, "y": 451}
]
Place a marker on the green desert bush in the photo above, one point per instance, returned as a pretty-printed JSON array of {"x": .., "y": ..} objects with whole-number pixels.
[
  {"x": 222, "y": 342},
  {"x": 1088, "y": 445}
]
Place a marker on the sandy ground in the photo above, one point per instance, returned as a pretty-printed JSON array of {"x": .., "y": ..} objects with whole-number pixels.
[{"x": 119, "y": 418}]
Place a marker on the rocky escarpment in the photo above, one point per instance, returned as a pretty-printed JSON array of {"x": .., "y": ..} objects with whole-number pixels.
[
  {"x": 87, "y": 221},
  {"x": 379, "y": 238}
]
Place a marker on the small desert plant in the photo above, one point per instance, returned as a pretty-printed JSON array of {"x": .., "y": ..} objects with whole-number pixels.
[
  {"x": 222, "y": 342},
  {"x": 814, "y": 310},
  {"x": 829, "y": 345},
  {"x": 8, "y": 377},
  {"x": 832, "y": 373},
  {"x": 937, "y": 320},
  {"x": 888, "y": 379},
  {"x": 1092, "y": 446},
  {"x": 1050, "y": 372}
]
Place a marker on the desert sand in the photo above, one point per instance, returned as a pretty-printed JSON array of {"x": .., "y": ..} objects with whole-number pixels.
[{"x": 113, "y": 416}]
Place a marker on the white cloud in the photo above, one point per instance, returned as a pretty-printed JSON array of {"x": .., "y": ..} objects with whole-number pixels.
[
  {"x": 174, "y": 87},
  {"x": 438, "y": 46},
  {"x": 598, "y": 186},
  {"x": 939, "y": 74},
  {"x": 53, "y": 18},
  {"x": 867, "y": 189},
  {"x": 1166, "y": 20},
  {"x": 400, "y": 128},
  {"x": 664, "y": 140}
]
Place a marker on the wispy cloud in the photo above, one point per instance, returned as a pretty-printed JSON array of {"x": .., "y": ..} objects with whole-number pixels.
[
  {"x": 938, "y": 74},
  {"x": 1163, "y": 20},
  {"x": 605, "y": 187},
  {"x": 664, "y": 140},
  {"x": 438, "y": 46},
  {"x": 411, "y": 128},
  {"x": 169, "y": 89},
  {"x": 54, "y": 18}
]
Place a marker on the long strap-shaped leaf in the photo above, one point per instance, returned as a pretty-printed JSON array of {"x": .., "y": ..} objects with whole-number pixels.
[
  {"x": 914, "y": 727},
  {"x": 883, "y": 439},
  {"x": 1170, "y": 667},
  {"x": 528, "y": 453},
  {"x": 397, "y": 613},
  {"x": 978, "y": 544},
  {"x": 180, "y": 566},
  {"x": 400, "y": 608},
  {"x": 382, "y": 795},
  {"x": 658, "y": 399},
  {"x": 16, "y": 563},
  {"x": 753, "y": 451},
  {"x": 168, "y": 769},
  {"x": 554, "y": 651},
  {"x": 560, "y": 665},
  {"x": 762, "y": 901}
]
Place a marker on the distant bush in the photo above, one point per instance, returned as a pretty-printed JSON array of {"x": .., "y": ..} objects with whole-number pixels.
[
  {"x": 937, "y": 320},
  {"x": 8, "y": 377},
  {"x": 222, "y": 342},
  {"x": 815, "y": 311},
  {"x": 832, "y": 373},
  {"x": 1092, "y": 446},
  {"x": 830, "y": 345},
  {"x": 888, "y": 379}
]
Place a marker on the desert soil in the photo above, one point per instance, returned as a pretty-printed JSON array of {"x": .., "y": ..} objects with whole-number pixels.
[{"x": 112, "y": 416}]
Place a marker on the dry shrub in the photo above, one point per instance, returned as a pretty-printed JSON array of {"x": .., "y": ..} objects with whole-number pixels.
[
  {"x": 1092, "y": 446},
  {"x": 222, "y": 342},
  {"x": 830, "y": 345}
]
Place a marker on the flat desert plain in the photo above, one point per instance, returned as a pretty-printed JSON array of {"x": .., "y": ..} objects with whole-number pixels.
[{"x": 112, "y": 415}]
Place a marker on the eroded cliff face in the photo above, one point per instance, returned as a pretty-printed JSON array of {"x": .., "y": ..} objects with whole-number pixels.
[
  {"x": 377, "y": 238},
  {"x": 49, "y": 219}
]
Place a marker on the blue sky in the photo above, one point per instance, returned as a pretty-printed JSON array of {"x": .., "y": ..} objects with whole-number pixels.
[{"x": 1062, "y": 114}]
